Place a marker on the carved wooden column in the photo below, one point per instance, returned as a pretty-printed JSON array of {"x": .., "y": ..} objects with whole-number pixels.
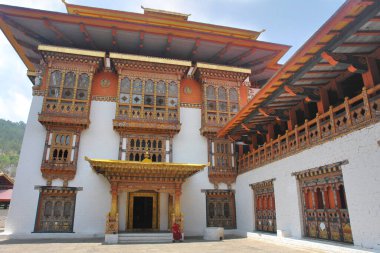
[
  {"x": 177, "y": 207},
  {"x": 270, "y": 134},
  {"x": 292, "y": 119},
  {"x": 372, "y": 76},
  {"x": 323, "y": 104},
  {"x": 112, "y": 224},
  {"x": 170, "y": 211}
]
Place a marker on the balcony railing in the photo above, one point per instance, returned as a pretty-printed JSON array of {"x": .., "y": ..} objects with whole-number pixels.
[{"x": 354, "y": 113}]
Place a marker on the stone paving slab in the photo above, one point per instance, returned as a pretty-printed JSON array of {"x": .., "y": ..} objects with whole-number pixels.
[{"x": 193, "y": 245}]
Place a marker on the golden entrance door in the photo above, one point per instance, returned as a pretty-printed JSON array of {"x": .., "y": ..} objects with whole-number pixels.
[{"x": 143, "y": 210}]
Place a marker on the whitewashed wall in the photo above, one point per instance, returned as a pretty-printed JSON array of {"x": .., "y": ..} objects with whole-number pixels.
[
  {"x": 361, "y": 179},
  {"x": 93, "y": 203},
  {"x": 189, "y": 146},
  {"x": 98, "y": 141},
  {"x": 23, "y": 208}
]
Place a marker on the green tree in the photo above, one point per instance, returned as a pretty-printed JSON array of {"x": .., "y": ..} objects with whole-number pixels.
[{"x": 11, "y": 135}]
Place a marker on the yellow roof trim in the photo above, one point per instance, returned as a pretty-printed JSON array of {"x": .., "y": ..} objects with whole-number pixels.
[
  {"x": 69, "y": 50},
  {"x": 172, "y": 13},
  {"x": 223, "y": 68},
  {"x": 149, "y": 59},
  {"x": 97, "y": 162}
]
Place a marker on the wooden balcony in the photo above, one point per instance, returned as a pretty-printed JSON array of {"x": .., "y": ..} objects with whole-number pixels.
[
  {"x": 145, "y": 121},
  {"x": 65, "y": 114},
  {"x": 353, "y": 114},
  {"x": 58, "y": 169},
  {"x": 225, "y": 175}
]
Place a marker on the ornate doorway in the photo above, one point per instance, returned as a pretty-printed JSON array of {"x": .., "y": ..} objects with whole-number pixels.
[{"x": 143, "y": 210}]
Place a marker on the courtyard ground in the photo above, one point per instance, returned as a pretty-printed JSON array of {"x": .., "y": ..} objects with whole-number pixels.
[{"x": 193, "y": 245}]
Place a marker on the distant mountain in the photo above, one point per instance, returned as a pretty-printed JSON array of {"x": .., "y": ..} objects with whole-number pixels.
[{"x": 11, "y": 135}]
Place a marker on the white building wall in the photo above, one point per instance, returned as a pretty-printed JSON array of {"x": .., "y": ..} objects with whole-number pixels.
[
  {"x": 98, "y": 141},
  {"x": 93, "y": 202},
  {"x": 23, "y": 208},
  {"x": 361, "y": 179},
  {"x": 189, "y": 146}
]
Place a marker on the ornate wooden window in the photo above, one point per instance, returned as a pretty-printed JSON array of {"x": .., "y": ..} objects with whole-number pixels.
[
  {"x": 61, "y": 151},
  {"x": 324, "y": 203},
  {"x": 55, "y": 213},
  {"x": 148, "y": 99},
  {"x": 221, "y": 104},
  {"x": 220, "y": 208},
  {"x": 222, "y": 161},
  {"x": 61, "y": 146},
  {"x": 68, "y": 93},
  {"x": 135, "y": 147},
  {"x": 265, "y": 210}
]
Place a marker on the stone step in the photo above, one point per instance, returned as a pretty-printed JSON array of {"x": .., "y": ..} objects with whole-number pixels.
[{"x": 145, "y": 237}]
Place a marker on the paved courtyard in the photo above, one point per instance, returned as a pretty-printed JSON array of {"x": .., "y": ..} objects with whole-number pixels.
[{"x": 193, "y": 245}]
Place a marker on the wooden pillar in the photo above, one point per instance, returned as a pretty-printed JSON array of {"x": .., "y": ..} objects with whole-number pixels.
[
  {"x": 338, "y": 88},
  {"x": 372, "y": 76},
  {"x": 292, "y": 119},
  {"x": 177, "y": 215},
  {"x": 112, "y": 223},
  {"x": 270, "y": 134},
  {"x": 323, "y": 104},
  {"x": 305, "y": 109},
  {"x": 254, "y": 142},
  {"x": 170, "y": 212},
  {"x": 114, "y": 189}
]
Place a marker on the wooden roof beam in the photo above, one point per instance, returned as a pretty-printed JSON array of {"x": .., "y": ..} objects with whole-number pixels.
[
  {"x": 221, "y": 52},
  {"x": 59, "y": 35},
  {"x": 279, "y": 115},
  {"x": 87, "y": 35},
  {"x": 194, "y": 50},
  {"x": 354, "y": 64},
  {"x": 308, "y": 94},
  {"x": 19, "y": 49},
  {"x": 336, "y": 71},
  {"x": 28, "y": 46},
  {"x": 141, "y": 41},
  {"x": 261, "y": 60},
  {"x": 245, "y": 127},
  {"x": 168, "y": 44},
  {"x": 114, "y": 38},
  {"x": 375, "y": 19},
  {"x": 25, "y": 31},
  {"x": 359, "y": 44},
  {"x": 242, "y": 56},
  {"x": 368, "y": 33}
]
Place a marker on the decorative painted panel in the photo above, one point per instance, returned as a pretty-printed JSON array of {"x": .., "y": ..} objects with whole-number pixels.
[
  {"x": 55, "y": 213},
  {"x": 220, "y": 208},
  {"x": 325, "y": 208},
  {"x": 265, "y": 210}
]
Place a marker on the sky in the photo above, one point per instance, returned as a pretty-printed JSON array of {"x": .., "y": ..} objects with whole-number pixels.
[{"x": 289, "y": 22}]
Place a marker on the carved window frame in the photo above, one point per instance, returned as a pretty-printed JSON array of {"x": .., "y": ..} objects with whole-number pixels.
[
  {"x": 73, "y": 104},
  {"x": 57, "y": 145},
  {"x": 149, "y": 110},
  {"x": 219, "y": 116},
  {"x": 133, "y": 149},
  {"x": 58, "y": 219},
  {"x": 218, "y": 200},
  {"x": 264, "y": 206}
]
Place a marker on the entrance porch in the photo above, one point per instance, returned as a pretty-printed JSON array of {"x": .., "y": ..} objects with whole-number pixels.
[{"x": 145, "y": 195}]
